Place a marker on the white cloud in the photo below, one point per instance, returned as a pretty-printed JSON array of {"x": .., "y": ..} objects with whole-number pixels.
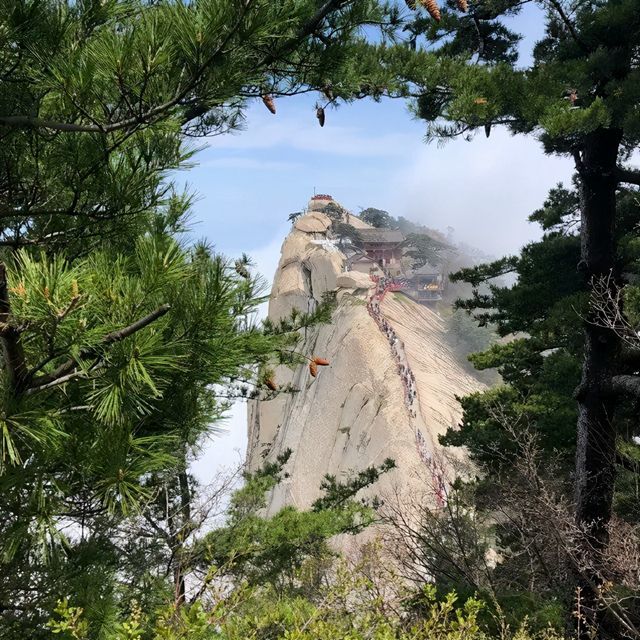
[
  {"x": 227, "y": 449},
  {"x": 485, "y": 189}
]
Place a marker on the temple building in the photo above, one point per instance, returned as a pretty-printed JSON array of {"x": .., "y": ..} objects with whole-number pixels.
[
  {"x": 383, "y": 246},
  {"x": 426, "y": 284}
]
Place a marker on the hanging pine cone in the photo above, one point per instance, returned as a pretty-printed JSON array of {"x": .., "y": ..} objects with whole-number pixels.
[
  {"x": 269, "y": 103},
  {"x": 271, "y": 384},
  {"x": 321, "y": 362},
  {"x": 313, "y": 369},
  {"x": 480, "y": 101},
  {"x": 320, "y": 116},
  {"x": 432, "y": 7},
  {"x": 241, "y": 270},
  {"x": 463, "y": 5},
  {"x": 411, "y": 4}
]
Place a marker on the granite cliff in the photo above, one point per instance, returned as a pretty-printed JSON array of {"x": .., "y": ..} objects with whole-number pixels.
[{"x": 389, "y": 389}]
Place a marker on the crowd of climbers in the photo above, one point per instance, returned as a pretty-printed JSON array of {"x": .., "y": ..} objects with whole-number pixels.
[
  {"x": 397, "y": 346},
  {"x": 408, "y": 382}
]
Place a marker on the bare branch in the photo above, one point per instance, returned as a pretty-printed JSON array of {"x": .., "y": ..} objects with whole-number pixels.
[{"x": 606, "y": 306}]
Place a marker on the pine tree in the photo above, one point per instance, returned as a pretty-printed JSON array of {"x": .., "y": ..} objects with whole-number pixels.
[
  {"x": 579, "y": 97},
  {"x": 119, "y": 338}
]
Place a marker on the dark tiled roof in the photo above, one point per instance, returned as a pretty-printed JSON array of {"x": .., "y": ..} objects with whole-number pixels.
[
  {"x": 381, "y": 235},
  {"x": 427, "y": 270}
]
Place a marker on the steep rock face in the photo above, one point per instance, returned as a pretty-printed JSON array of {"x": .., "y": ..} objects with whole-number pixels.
[{"x": 364, "y": 407}]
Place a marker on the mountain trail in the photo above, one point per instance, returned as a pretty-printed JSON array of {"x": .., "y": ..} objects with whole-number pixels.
[{"x": 389, "y": 390}]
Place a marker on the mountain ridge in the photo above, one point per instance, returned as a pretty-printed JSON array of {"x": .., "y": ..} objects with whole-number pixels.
[{"x": 389, "y": 391}]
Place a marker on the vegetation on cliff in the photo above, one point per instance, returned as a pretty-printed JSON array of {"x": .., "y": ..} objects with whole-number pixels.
[{"x": 122, "y": 342}]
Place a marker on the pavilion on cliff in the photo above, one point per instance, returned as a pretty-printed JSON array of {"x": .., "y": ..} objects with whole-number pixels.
[{"x": 383, "y": 246}]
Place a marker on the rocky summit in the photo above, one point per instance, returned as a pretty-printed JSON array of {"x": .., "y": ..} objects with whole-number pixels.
[{"x": 389, "y": 390}]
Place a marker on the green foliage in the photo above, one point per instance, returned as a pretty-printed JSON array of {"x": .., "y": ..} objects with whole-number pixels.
[
  {"x": 632, "y": 304},
  {"x": 125, "y": 345},
  {"x": 581, "y": 78},
  {"x": 68, "y": 621},
  {"x": 563, "y": 309},
  {"x": 337, "y": 494},
  {"x": 377, "y": 218},
  {"x": 424, "y": 249},
  {"x": 272, "y": 550},
  {"x": 478, "y": 274},
  {"x": 493, "y": 420},
  {"x": 546, "y": 278},
  {"x": 560, "y": 210},
  {"x": 93, "y": 443},
  {"x": 345, "y": 233},
  {"x": 334, "y": 211},
  {"x": 542, "y": 312},
  {"x": 347, "y": 610}
]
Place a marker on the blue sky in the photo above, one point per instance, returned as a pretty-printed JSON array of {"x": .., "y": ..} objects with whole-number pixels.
[{"x": 367, "y": 154}]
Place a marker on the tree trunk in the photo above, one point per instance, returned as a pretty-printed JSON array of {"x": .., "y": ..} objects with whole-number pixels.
[{"x": 596, "y": 444}]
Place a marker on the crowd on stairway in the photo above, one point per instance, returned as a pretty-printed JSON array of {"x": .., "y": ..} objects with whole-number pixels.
[
  {"x": 398, "y": 351},
  {"x": 408, "y": 379}
]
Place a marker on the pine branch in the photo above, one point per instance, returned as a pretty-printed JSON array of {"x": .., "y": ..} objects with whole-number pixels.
[
  {"x": 70, "y": 365},
  {"x": 10, "y": 336},
  {"x": 628, "y": 175},
  {"x": 626, "y": 385},
  {"x": 58, "y": 381},
  {"x": 151, "y": 115},
  {"x": 146, "y": 117},
  {"x": 570, "y": 26},
  {"x": 627, "y": 463}
]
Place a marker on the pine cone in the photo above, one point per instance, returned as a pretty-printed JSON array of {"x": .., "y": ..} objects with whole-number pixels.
[
  {"x": 241, "y": 270},
  {"x": 432, "y": 7},
  {"x": 271, "y": 384},
  {"x": 480, "y": 101},
  {"x": 321, "y": 362},
  {"x": 463, "y": 5},
  {"x": 411, "y": 4},
  {"x": 269, "y": 103},
  {"x": 313, "y": 369},
  {"x": 320, "y": 116}
]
